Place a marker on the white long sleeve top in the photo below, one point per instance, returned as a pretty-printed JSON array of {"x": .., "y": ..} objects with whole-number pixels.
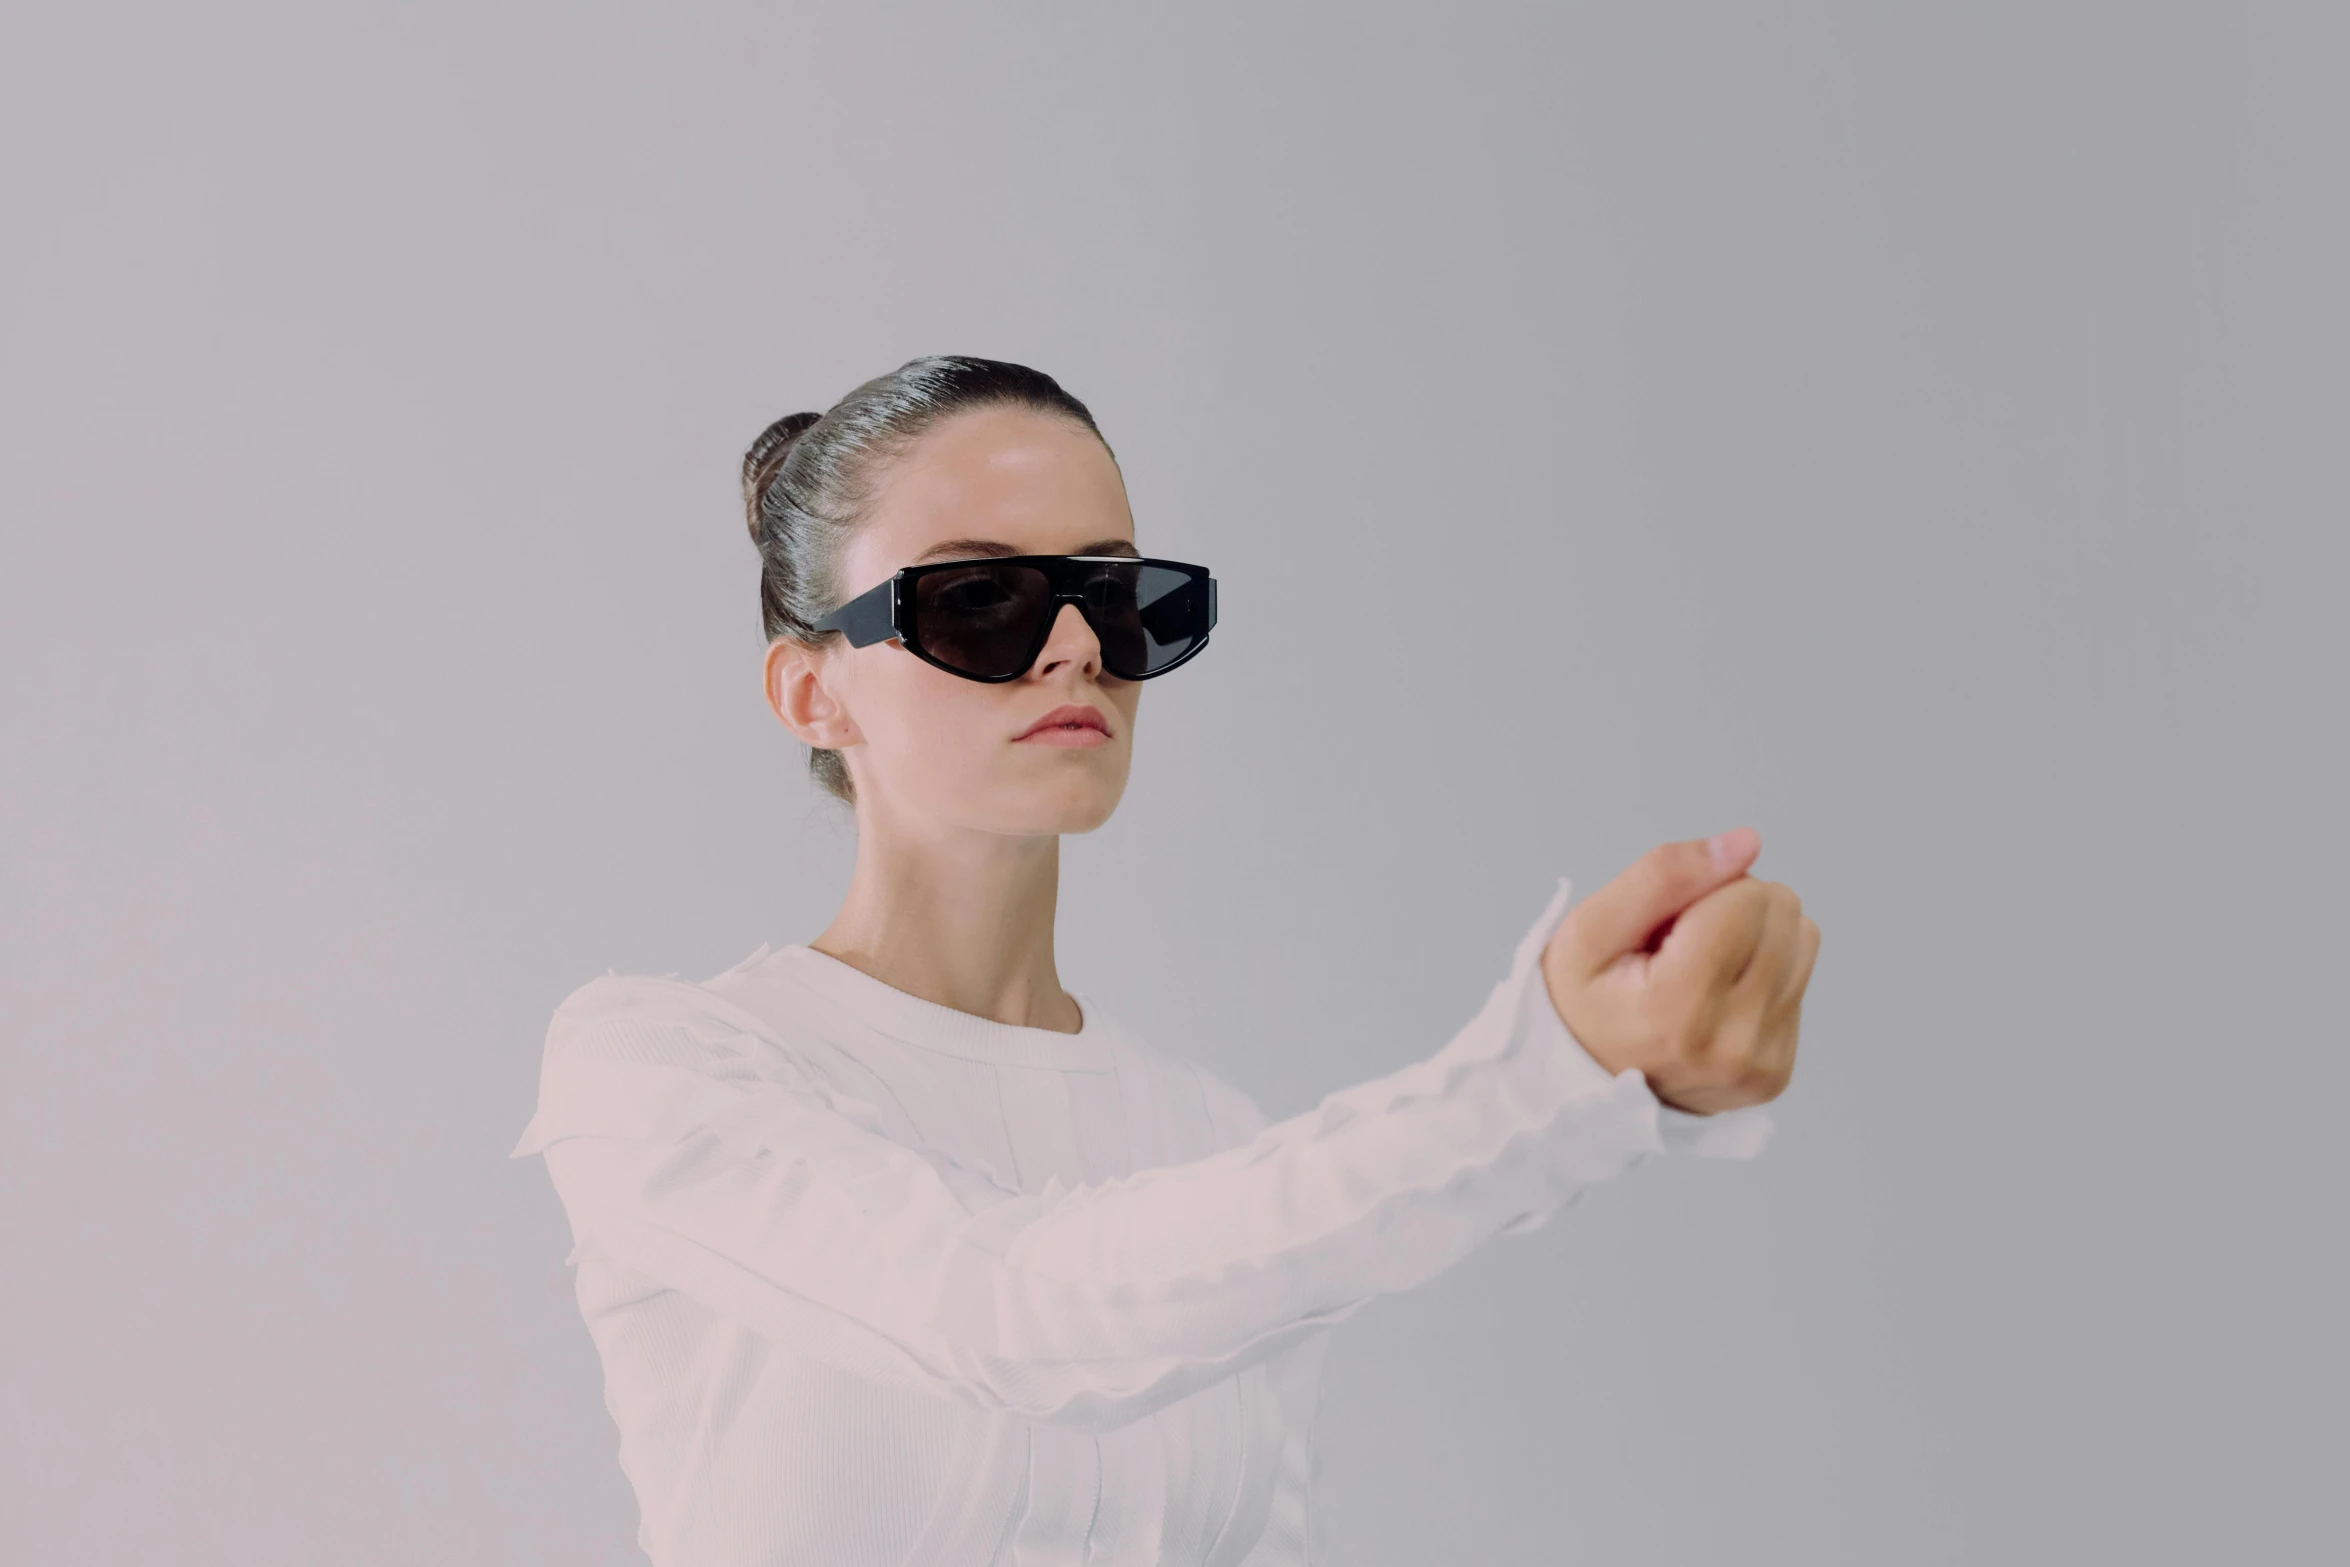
[{"x": 875, "y": 1281}]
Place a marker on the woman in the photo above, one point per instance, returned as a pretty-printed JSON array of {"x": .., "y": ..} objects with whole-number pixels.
[{"x": 897, "y": 1251}]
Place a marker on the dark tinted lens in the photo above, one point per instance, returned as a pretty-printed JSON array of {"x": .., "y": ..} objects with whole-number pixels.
[
  {"x": 1146, "y": 616},
  {"x": 982, "y": 617}
]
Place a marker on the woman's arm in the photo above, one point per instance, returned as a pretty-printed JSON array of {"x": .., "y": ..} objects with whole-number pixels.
[{"x": 783, "y": 1205}]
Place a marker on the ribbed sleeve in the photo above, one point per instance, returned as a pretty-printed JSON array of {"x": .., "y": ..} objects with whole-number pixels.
[{"x": 685, "y": 1142}]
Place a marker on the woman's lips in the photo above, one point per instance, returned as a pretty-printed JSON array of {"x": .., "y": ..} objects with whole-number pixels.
[
  {"x": 1069, "y": 724},
  {"x": 1065, "y": 735}
]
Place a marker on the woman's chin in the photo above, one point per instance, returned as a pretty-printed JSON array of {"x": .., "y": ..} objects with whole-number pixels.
[
  {"x": 1079, "y": 815},
  {"x": 1076, "y": 802}
]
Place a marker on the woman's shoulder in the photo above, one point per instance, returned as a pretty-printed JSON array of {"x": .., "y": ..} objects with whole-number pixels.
[
  {"x": 661, "y": 1018},
  {"x": 658, "y": 1056},
  {"x": 1229, "y": 1109},
  {"x": 1236, "y": 1115}
]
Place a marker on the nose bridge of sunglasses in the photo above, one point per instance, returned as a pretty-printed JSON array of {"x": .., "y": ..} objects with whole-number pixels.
[{"x": 1064, "y": 602}]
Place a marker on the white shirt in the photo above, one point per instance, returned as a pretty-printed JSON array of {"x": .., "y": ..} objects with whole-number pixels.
[{"x": 875, "y": 1281}]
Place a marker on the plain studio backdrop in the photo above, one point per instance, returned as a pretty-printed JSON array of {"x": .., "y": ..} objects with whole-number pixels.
[{"x": 1914, "y": 435}]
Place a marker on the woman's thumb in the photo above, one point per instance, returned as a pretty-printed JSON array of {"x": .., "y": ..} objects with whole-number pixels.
[{"x": 1624, "y": 914}]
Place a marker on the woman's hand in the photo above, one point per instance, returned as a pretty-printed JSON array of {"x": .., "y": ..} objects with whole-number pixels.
[{"x": 1690, "y": 970}]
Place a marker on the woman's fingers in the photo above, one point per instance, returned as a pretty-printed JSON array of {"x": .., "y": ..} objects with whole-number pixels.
[
  {"x": 1710, "y": 945},
  {"x": 1748, "y": 1046},
  {"x": 1799, "y": 978},
  {"x": 1710, "y": 1016}
]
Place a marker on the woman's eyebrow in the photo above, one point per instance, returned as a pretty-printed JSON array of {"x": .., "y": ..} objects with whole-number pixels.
[{"x": 965, "y": 549}]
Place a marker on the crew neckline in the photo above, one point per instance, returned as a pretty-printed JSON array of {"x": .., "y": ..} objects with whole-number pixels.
[{"x": 911, "y": 1020}]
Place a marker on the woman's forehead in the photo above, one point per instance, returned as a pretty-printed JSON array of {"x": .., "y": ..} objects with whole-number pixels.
[{"x": 1041, "y": 484}]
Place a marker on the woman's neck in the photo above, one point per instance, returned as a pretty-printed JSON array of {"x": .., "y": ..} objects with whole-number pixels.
[{"x": 960, "y": 918}]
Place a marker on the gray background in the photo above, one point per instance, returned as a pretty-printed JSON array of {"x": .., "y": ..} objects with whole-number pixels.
[{"x": 1911, "y": 431}]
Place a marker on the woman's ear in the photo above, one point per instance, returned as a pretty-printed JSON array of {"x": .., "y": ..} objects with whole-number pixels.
[{"x": 794, "y": 680}]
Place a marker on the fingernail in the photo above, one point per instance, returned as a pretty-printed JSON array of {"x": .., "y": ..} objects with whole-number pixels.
[{"x": 1725, "y": 847}]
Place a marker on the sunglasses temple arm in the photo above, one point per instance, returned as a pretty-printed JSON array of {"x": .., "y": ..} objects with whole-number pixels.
[{"x": 865, "y": 619}]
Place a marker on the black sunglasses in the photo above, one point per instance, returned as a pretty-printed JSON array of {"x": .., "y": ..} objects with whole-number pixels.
[{"x": 987, "y": 619}]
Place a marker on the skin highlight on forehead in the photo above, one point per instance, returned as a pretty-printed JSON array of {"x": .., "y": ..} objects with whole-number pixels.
[{"x": 998, "y": 481}]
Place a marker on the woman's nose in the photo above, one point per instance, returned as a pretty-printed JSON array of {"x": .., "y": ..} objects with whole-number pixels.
[{"x": 1071, "y": 639}]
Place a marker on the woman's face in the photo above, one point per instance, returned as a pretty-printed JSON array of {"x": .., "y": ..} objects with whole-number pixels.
[{"x": 922, "y": 743}]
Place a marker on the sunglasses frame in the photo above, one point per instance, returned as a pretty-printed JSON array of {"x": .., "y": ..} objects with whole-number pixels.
[{"x": 886, "y": 611}]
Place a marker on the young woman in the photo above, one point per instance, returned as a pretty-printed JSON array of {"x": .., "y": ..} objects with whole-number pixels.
[{"x": 896, "y": 1250}]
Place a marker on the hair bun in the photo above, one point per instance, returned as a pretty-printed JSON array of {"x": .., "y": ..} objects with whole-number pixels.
[{"x": 766, "y": 458}]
